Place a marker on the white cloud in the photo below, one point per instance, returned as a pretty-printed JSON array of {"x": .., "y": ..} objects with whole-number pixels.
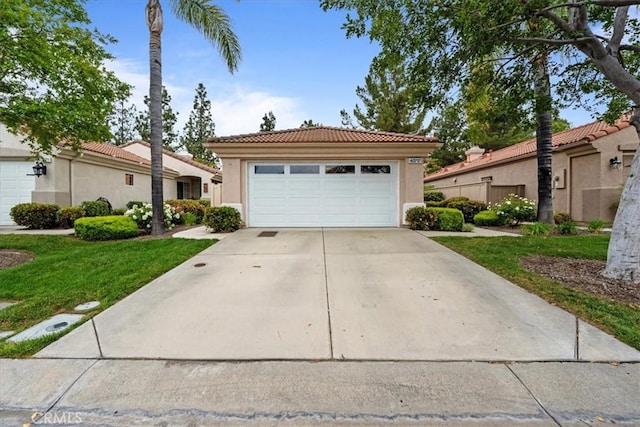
[
  {"x": 241, "y": 111},
  {"x": 236, "y": 109}
]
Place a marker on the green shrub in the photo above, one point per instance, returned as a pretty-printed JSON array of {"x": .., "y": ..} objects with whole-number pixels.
[
  {"x": 535, "y": 229},
  {"x": 515, "y": 209},
  {"x": 222, "y": 219},
  {"x": 447, "y": 219},
  {"x": 190, "y": 219},
  {"x": 434, "y": 196},
  {"x": 468, "y": 228},
  {"x": 419, "y": 218},
  {"x": 118, "y": 211},
  {"x": 469, "y": 208},
  {"x": 205, "y": 203},
  {"x": 95, "y": 208},
  {"x": 560, "y": 217},
  {"x": 35, "y": 215},
  {"x": 487, "y": 219},
  {"x": 435, "y": 204},
  {"x": 112, "y": 227},
  {"x": 67, "y": 216},
  {"x": 133, "y": 203},
  {"x": 567, "y": 228},
  {"x": 184, "y": 206},
  {"x": 596, "y": 226}
]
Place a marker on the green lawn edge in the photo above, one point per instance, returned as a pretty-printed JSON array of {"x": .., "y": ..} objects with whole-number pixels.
[{"x": 502, "y": 254}]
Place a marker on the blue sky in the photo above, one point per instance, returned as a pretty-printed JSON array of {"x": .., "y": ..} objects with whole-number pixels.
[{"x": 297, "y": 62}]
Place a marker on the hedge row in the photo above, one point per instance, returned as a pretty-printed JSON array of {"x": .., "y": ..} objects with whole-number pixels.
[{"x": 439, "y": 219}]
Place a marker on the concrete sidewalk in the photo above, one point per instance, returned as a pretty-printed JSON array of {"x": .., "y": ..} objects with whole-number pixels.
[{"x": 141, "y": 393}]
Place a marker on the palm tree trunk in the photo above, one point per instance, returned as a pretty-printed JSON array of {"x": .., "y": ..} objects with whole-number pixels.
[
  {"x": 542, "y": 89},
  {"x": 154, "y": 22}
]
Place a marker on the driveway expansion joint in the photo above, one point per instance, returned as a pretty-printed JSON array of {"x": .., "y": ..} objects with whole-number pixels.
[
  {"x": 95, "y": 331},
  {"x": 326, "y": 288}
]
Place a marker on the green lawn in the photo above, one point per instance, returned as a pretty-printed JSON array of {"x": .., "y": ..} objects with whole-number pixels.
[
  {"x": 67, "y": 271},
  {"x": 501, "y": 255}
]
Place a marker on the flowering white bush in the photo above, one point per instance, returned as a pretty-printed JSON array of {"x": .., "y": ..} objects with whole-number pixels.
[
  {"x": 142, "y": 214},
  {"x": 515, "y": 209}
]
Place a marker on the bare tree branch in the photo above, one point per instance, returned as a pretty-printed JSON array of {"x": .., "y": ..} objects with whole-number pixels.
[
  {"x": 559, "y": 42},
  {"x": 619, "y": 24},
  {"x": 632, "y": 48}
]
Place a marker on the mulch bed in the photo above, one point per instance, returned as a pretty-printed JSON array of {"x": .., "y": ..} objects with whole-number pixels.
[{"x": 584, "y": 275}]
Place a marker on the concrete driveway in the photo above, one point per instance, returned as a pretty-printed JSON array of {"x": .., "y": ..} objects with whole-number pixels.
[{"x": 356, "y": 294}]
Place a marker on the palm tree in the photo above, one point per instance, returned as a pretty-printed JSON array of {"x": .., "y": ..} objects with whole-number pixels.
[{"x": 215, "y": 26}]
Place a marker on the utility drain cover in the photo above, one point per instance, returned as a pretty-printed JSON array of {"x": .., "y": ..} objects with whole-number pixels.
[
  {"x": 56, "y": 327},
  {"x": 267, "y": 234},
  {"x": 87, "y": 306},
  {"x": 52, "y": 325}
]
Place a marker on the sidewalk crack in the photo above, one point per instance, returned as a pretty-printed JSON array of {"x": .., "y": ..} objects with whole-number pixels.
[
  {"x": 533, "y": 396},
  {"x": 64, "y": 393}
]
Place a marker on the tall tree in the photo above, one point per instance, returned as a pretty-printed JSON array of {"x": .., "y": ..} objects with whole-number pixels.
[
  {"x": 388, "y": 102},
  {"x": 448, "y": 126},
  {"x": 309, "y": 124},
  {"x": 53, "y": 83},
  {"x": 592, "y": 48},
  {"x": 123, "y": 119},
  {"x": 268, "y": 122},
  {"x": 211, "y": 21},
  {"x": 169, "y": 119},
  {"x": 199, "y": 128}
]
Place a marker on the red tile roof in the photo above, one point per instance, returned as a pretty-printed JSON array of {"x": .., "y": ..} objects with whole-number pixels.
[
  {"x": 184, "y": 158},
  {"x": 321, "y": 134},
  {"x": 585, "y": 133},
  {"x": 114, "y": 151}
]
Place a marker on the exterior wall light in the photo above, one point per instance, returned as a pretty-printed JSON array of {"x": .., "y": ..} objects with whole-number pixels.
[
  {"x": 615, "y": 163},
  {"x": 39, "y": 169}
]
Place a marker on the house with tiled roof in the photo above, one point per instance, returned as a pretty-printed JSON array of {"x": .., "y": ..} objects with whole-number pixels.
[
  {"x": 322, "y": 176},
  {"x": 195, "y": 181},
  {"x": 119, "y": 174},
  {"x": 590, "y": 164}
]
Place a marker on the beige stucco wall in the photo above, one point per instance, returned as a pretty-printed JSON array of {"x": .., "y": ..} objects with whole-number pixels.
[
  {"x": 187, "y": 171},
  {"x": 11, "y": 145},
  {"x": 72, "y": 180},
  {"x": 584, "y": 182}
]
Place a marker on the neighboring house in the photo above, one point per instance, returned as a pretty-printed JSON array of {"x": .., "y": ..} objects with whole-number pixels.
[
  {"x": 99, "y": 170},
  {"x": 590, "y": 165},
  {"x": 322, "y": 176},
  {"x": 196, "y": 180}
]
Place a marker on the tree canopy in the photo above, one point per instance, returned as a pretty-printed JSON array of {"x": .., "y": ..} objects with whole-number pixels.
[
  {"x": 169, "y": 119},
  {"x": 268, "y": 122},
  {"x": 53, "y": 83},
  {"x": 388, "y": 102},
  {"x": 199, "y": 128}
]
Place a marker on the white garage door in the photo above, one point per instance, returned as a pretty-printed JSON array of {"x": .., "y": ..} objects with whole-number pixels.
[
  {"x": 15, "y": 187},
  {"x": 338, "y": 194}
]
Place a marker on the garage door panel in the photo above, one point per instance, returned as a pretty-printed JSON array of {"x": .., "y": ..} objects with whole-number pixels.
[
  {"x": 15, "y": 187},
  {"x": 304, "y": 185},
  {"x": 323, "y": 199}
]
